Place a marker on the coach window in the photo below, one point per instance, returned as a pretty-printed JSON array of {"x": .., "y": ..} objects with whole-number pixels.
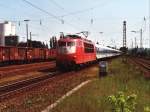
[
  {"x": 62, "y": 44},
  {"x": 71, "y": 44}
]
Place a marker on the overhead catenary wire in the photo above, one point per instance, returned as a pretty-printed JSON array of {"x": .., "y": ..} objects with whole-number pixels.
[
  {"x": 42, "y": 10},
  {"x": 59, "y": 6},
  {"x": 49, "y": 14},
  {"x": 60, "y": 18},
  {"x": 85, "y": 10},
  {"x": 53, "y": 16},
  {"x": 68, "y": 14},
  {"x": 56, "y": 4}
]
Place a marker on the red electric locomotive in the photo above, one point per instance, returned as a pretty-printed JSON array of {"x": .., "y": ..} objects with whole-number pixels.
[{"x": 74, "y": 50}]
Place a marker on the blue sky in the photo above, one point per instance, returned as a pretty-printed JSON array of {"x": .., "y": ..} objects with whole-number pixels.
[{"x": 107, "y": 16}]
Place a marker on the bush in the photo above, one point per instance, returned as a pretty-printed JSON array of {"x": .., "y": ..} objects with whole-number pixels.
[{"x": 122, "y": 103}]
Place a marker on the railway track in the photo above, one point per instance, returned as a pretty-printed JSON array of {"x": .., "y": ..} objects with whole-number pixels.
[
  {"x": 11, "y": 70},
  {"x": 18, "y": 86},
  {"x": 23, "y": 65},
  {"x": 143, "y": 64},
  {"x": 9, "y": 89}
]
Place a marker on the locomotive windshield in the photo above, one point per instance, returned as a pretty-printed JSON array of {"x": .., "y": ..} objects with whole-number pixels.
[
  {"x": 70, "y": 43},
  {"x": 62, "y": 44},
  {"x": 65, "y": 44},
  {"x": 66, "y": 47}
]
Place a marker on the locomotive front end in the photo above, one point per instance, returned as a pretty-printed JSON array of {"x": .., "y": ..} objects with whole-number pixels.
[{"x": 66, "y": 53}]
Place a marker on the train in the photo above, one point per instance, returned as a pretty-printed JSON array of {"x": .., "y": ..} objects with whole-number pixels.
[
  {"x": 106, "y": 52},
  {"x": 74, "y": 51},
  {"x": 20, "y": 55},
  {"x": 71, "y": 51}
]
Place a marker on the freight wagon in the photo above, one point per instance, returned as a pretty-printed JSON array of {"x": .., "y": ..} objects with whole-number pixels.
[{"x": 21, "y": 55}]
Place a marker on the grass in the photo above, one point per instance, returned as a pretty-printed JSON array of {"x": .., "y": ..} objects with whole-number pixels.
[{"x": 121, "y": 77}]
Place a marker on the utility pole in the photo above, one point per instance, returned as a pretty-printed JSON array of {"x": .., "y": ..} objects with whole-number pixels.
[
  {"x": 135, "y": 43},
  {"x": 149, "y": 23},
  {"x": 30, "y": 39},
  {"x": 30, "y": 36},
  {"x": 124, "y": 34},
  {"x": 132, "y": 44},
  {"x": 141, "y": 39},
  {"x": 27, "y": 29},
  {"x": 124, "y": 47}
]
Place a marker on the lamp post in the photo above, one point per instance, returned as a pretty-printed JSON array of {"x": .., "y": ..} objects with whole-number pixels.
[
  {"x": 134, "y": 38},
  {"x": 31, "y": 35},
  {"x": 141, "y": 38}
]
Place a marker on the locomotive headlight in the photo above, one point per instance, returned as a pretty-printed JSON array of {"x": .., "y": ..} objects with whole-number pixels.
[{"x": 74, "y": 57}]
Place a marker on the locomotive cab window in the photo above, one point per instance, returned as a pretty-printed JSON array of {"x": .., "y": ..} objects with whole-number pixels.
[
  {"x": 88, "y": 48},
  {"x": 62, "y": 44},
  {"x": 71, "y": 44}
]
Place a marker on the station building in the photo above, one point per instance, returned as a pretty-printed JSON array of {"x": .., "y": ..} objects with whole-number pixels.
[{"x": 8, "y": 35}]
